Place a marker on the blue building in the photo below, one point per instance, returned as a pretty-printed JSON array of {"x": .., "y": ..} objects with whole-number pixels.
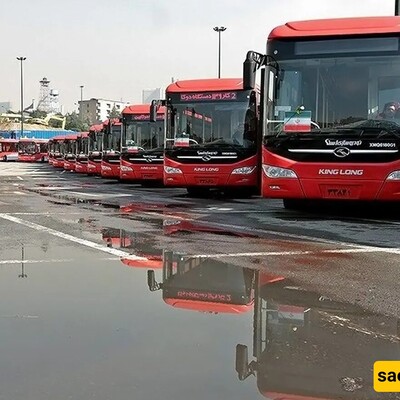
[{"x": 34, "y": 134}]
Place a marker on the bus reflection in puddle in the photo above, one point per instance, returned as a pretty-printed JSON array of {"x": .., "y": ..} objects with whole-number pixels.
[
  {"x": 307, "y": 346},
  {"x": 204, "y": 285},
  {"x": 143, "y": 245}
]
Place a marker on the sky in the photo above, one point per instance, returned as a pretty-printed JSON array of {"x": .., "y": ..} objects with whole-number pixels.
[{"x": 117, "y": 48}]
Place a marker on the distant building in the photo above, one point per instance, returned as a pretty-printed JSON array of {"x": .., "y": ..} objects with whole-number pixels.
[
  {"x": 98, "y": 110},
  {"x": 5, "y": 106},
  {"x": 152, "y": 94}
]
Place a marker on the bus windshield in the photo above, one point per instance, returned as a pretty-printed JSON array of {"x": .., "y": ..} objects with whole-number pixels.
[
  {"x": 233, "y": 284},
  {"x": 144, "y": 135},
  {"x": 28, "y": 147},
  {"x": 342, "y": 82},
  {"x": 213, "y": 123}
]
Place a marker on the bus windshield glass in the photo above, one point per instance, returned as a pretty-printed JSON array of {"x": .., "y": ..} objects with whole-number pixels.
[
  {"x": 212, "y": 123},
  {"x": 28, "y": 147},
  {"x": 339, "y": 83},
  {"x": 144, "y": 135},
  {"x": 112, "y": 139},
  {"x": 7, "y": 146}
]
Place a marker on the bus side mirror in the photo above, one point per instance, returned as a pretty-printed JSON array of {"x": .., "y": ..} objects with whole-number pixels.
[
  {"x": 242, "y": 361},
  {"x": 153, "y": 111},
  {"x": 249, "y": 72},
  {"x": 151, "y": 281},
  {"x": 243, "y": 368}
]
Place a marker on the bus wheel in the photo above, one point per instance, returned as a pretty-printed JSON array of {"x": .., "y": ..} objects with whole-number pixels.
[
  {"x": 197, "y": 191},
  {"x": 294, "y": 204}
]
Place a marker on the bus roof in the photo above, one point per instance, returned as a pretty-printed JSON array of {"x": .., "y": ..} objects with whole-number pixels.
[
  {"x": 201, "y": 85},
  {"x": 58, "y": 138},
  {"x": 71, "y": 137},
  {"x": 208, "y": 306},
  {"x": 96, "y": 128},
  {"x": 83, "y": 134},
  {"x": 8, "y": 140},
  {"x": 137, "y": 109},
  {"x": 33, "y": 140},
  {"x": 114, "y": 121},
  {"x": 152, "y": 262},
  {"x": 337, "y": 27}
]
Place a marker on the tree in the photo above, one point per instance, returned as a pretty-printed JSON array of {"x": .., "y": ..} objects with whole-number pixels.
[
  {"x": 114, "y": 113},
  {"x": 38, "y": 114},
  {"x": 74, "y": 123}
]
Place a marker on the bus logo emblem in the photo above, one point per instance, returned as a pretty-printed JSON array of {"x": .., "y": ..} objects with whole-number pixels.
[
  {"x": 341, "y": 152},
  {"x": 206, "y": 158}
]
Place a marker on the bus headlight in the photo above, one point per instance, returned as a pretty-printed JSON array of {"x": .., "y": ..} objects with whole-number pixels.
[
  {"x": 277, "y": 172},
  {"x": 243, "y": 170},
  {"x": 105, "y": 168},
  {"x": 126, "y": 169},
  {"x": 394, "y": 176},
  {"x": 172, "y": 170}
]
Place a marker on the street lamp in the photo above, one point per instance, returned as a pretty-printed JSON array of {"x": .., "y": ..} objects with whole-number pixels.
[
  {"x": 80, "y": 104},
  {"x": 219, "y": 29},
  {"x": 22, "y": 96}
]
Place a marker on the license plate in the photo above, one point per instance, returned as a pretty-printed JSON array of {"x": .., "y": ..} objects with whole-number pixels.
[
  {"x": 340, "y": 192},
  {"x": 206, "y": 181},
  {"x": 148, "y": 176}
]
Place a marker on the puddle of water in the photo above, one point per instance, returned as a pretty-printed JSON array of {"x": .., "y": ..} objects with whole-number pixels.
[{"x": 89, "y": 327}]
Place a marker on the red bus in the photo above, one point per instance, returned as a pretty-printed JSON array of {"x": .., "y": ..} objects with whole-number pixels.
[
  {"x": 211, "y": 136},
  {"x": 142, "y": 144},
  {"x": 110, "y": 162},
  {"x": 326, "y": 89},
  {"x": 82, "y": 153},
  {"x": 204, "y": 285},
  {"x": 302, "y": 341},
  {"x": 56, "y": 157},
  {"x": 8, "y": 149},
  {"x": 70, "y": 144},
  {"x": 95, "y": 149},
  {"x": 32, "y": 150},
  {"x": 141, "y": 244}
]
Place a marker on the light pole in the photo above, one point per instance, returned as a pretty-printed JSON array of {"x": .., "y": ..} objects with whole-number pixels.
[
  {"x": 80, "y": 104},
  {"x": 219, "y": 29},
  {"x": 22, "y": 59}
]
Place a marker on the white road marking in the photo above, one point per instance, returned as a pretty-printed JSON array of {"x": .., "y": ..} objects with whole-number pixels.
[
  {"x": 2, "y": 262},
  {"x": 7, "y": 262},
  {"x": 83, "y": 242},
  {"x": 299, "y": 252},
  {"x": 20, "y": 178}
]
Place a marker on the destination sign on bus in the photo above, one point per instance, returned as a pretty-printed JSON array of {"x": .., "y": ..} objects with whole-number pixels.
[
  {"x": 209, "y": 96},
  {"x": 145, "y": 117}
]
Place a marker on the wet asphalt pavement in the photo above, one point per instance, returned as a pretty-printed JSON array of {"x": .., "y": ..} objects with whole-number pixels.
[{"x": 114, "y": 291}]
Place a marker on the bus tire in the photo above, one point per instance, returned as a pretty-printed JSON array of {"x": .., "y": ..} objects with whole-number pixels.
[
  {"x": 294, "y": 204},
  {"x": 194, "y": 191}
]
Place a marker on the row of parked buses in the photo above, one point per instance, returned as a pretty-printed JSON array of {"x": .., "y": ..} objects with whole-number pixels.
[
  {"x": 25, "y": 150},
  {"x": 312, "y": 129}
]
